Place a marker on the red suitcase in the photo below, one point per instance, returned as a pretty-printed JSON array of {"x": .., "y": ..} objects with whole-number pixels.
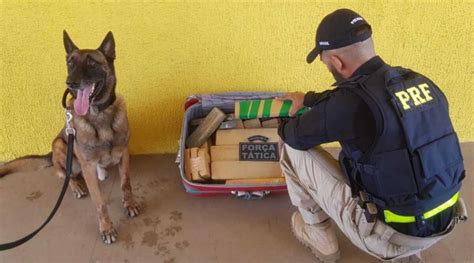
[{"x": 198, "y": 106}]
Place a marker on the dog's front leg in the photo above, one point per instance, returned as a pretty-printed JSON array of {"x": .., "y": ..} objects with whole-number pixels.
[
  {"x": 107, "y": 231},
  {"x": 131, "y": 206}
]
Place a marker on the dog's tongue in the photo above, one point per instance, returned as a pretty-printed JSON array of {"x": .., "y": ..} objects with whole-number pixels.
[{"x": 81, "y": 103}]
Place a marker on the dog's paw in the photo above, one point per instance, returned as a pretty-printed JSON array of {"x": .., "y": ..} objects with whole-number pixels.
[
  {"x": 79, "y": 194},
  {"x": 132, "y": 208},
  {"x": 109, "y": 236},
  {"x": 78, "y": 190}
]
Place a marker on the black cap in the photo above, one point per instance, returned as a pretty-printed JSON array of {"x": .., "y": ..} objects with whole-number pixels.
[{"x": 337, "y": 30}]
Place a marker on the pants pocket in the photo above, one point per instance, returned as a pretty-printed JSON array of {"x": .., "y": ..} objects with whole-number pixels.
[{"x": 384, "y": 249}]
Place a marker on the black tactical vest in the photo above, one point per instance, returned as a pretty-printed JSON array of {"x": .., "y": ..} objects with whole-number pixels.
[{"x": 414, "y": 163}]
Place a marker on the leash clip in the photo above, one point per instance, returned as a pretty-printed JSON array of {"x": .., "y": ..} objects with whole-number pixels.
[{"x": 69, "y": 128}]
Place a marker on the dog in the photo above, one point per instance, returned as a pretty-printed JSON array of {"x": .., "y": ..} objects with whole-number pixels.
[{"x": 102, "y": 133}]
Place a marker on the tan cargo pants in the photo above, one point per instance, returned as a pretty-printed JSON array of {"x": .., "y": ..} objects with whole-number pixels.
[{"x": 320, "y": 190}]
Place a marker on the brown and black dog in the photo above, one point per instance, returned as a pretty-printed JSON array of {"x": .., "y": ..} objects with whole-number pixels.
[{"x": 102, "y": 135}]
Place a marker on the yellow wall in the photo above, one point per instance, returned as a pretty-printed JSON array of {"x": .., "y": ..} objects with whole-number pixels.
[{"x": 166, "y": 51}]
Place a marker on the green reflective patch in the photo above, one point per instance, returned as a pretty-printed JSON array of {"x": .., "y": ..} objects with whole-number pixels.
[
  {"x": 285, "y": 108},
  {"x": 244, "y": 109},
  {"x": 254, "y": 109},
  {"x": 267, "y": 107}
]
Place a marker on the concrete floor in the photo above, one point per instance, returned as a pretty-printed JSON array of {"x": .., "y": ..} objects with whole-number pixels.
[{"x": 174, "y": 226}]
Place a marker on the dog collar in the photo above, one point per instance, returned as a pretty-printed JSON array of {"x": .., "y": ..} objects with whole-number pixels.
[{"x": 106, "y": 104}]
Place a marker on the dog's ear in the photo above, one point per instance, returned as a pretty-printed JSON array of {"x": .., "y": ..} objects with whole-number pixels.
[
  {"x": 68, "y": 44},
  {"x": 108, "y": 46}
]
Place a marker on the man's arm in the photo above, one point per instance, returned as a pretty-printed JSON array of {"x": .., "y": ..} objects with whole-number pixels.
[
  {"x": 331, "y": 118},
  {"x": 312, "y": 98},
  {"x": 305, "y": 131},
  {"x": 300, "y": 99}
]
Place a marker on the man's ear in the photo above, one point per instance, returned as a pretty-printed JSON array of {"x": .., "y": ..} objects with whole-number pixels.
[
  {"x": 108, "y": 46},
  {"x": 68, "y": 44},
  {"x": 336, "y": 62}
]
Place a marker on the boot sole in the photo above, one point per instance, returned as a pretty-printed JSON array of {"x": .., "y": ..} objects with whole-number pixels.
[{"x": 321, "y": 257}]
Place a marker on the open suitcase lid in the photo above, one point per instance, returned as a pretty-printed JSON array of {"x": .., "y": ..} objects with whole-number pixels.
[{"x": 198, "y": 106}]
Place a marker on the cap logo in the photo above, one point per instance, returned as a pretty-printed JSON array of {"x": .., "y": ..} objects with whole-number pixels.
[
  {"x": 356, "y": 19},
  {"x": 323, "y": 43}
]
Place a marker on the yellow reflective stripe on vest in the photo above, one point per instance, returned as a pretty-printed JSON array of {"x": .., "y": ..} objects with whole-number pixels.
[
  {"x": 392, "y": 217},
  {"x": 442, "y": 207}
]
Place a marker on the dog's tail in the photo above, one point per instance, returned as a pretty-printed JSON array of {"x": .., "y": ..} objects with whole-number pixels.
[{"x": 27, "y": 163}]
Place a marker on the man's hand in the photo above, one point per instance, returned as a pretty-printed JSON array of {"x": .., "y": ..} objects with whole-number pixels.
[{"x": 297, "y": 99}]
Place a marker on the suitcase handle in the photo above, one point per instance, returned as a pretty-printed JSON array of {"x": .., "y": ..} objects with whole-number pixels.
[{"x": 250, "y": 195}]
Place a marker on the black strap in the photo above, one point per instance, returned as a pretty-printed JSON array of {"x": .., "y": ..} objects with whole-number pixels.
[
  {"x": 106, "y": 104},
  {"x": 63, "y": 101},
  {"x": 70, "y": 145}
]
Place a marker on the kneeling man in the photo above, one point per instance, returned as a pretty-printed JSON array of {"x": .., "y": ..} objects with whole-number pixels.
[{"x": 394, "y": 191}]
